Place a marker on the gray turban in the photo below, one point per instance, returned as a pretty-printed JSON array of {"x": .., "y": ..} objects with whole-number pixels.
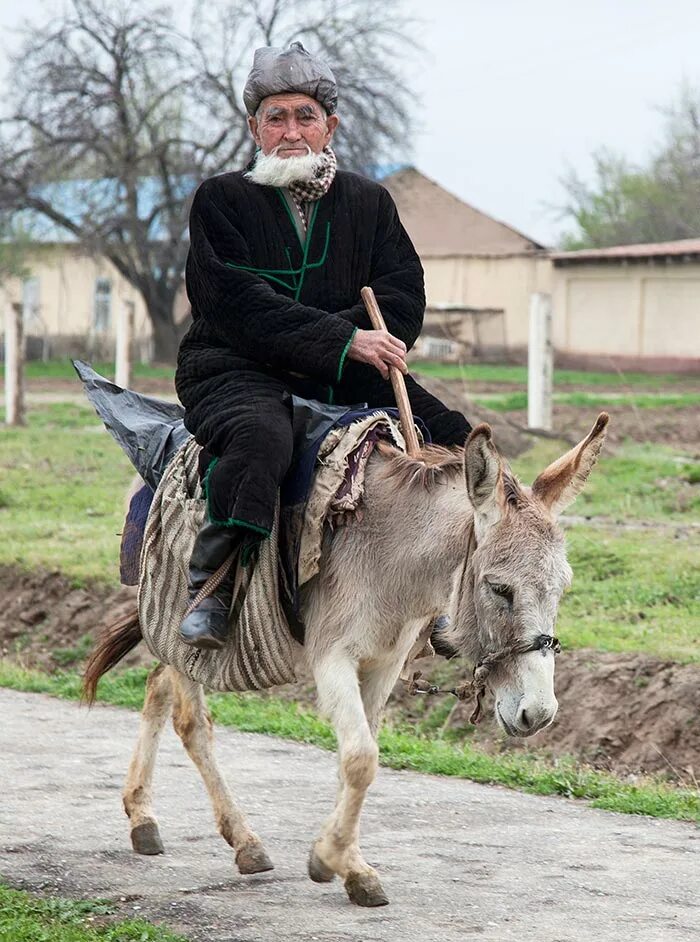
[{"x": 276, "y": 71}]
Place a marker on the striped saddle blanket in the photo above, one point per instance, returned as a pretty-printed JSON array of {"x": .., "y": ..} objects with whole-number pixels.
[{"x": 261, "y": 651}]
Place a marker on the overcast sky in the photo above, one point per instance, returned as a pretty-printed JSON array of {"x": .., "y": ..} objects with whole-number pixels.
[
  {"x": 514, "y": 91},
  {"x": 519, "y": 90}
]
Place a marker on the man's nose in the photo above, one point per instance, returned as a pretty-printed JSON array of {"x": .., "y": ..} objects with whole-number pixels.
[{"x": 292, "y": 133}]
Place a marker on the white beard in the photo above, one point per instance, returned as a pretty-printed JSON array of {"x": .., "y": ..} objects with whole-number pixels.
[{"x": 271, "y": 170}]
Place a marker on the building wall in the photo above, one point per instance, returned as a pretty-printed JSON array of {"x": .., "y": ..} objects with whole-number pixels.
[
  {"x": 638, "y": 310},
  {"x": 59, "y": 294},
  {"x": 505, "y": 283}
]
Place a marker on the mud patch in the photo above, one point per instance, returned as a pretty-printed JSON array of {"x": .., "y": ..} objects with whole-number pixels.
[
  {"x": 667, "y": 425},
  {"x": 48, "y": 622},
  {"x": 619, "y": 712}
]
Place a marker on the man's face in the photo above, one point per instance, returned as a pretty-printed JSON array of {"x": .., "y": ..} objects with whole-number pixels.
[{"x": 292, "y": 125}]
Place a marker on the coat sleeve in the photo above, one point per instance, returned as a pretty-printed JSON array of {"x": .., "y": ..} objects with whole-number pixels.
[
  {"x": 396, "y": 277},
  {"x": 246, "y": 312}
]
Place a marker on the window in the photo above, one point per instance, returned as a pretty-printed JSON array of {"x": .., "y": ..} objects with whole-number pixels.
[
  {"x": 103, "y": 305},
  {"x": 30, "y": 301}
]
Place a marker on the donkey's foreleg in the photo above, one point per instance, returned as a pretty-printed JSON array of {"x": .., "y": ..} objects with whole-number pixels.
[
  {"x": 145, "y": 838},
  {"x": 337, "y": 849},
  {"x": 194, "y": 727}
]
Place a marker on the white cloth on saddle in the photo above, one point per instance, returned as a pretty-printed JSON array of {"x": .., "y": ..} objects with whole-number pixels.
[{"x": 260, "y": 651}]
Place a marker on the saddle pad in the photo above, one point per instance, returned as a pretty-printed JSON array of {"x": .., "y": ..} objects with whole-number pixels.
[{"x": 259, "y": 651}]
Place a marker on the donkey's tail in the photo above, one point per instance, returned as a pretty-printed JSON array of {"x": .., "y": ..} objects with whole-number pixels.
[{"x": 115, "y": 642}]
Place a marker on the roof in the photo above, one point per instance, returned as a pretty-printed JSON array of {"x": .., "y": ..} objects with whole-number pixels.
[
  {"x": 679, "y": 250},
  {"x": 441, "y": 224}
]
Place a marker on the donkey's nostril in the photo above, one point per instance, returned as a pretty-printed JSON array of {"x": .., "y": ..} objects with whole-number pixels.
[{"x": 524, "y": 719}]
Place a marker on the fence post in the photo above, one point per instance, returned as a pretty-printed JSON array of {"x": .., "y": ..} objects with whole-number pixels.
[
  {"x": 540, "y": 365},
  {"x": 125, "y": 331},
  {"x": 14, "y": 366}
]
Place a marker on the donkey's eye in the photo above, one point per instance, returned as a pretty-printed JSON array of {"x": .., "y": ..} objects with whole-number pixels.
[{"x": 502, "y": 591}]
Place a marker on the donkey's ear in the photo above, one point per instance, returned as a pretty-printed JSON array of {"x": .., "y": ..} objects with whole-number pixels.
[
  {"x": 482, "y": 470},
  {"x": 563, "y": 481}
]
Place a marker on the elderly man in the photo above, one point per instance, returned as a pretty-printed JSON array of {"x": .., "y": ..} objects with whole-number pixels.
[{"x": 278, "y": 256}]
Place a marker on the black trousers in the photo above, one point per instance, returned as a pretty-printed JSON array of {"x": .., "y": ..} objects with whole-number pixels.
[{"x": 243, "y": 420}]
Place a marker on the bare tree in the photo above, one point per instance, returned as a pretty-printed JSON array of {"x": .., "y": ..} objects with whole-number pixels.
[
  {"x": 114, "y": 116},
  {"x": 656, "y": 201}
]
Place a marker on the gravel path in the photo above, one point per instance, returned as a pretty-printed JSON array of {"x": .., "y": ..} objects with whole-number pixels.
[{"x": 459, "y": 861}]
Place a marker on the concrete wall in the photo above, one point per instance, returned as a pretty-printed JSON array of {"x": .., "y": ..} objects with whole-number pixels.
[
  {"x": 642, "y": 310},
  {"x": 634, "y": 315},
  {"x": 505, "y": 283},
  {"x": 64, "y": 282}
]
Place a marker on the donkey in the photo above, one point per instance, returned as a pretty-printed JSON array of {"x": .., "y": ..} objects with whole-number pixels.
[{"x": 449, "y": 524}]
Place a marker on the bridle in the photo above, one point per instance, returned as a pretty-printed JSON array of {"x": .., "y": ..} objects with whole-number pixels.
[{"x": 476, "y": 687}]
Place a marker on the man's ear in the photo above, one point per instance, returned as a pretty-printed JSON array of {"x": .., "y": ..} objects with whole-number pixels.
[
  {"x": 253, "y": 128},
  {"x": 332, "y": 122}
]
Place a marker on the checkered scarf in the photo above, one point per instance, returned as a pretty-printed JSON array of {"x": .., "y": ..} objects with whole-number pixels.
[{"x": 309, "y": 191}]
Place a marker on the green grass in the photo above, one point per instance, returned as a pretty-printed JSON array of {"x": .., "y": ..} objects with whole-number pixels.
[
  {"x": 27, "y": 918},
  {"x": 62, "y": 486},
  {"x": 517, "y": 375},
  {"x": 400, "y": 748},
  {"x": 633, "y": 592},
  {"x": 63, "y": 369},
  {"x": 516, "y": 401},
  {"x": 639, "y": 482},
  {"x": 509, "y": 374}
]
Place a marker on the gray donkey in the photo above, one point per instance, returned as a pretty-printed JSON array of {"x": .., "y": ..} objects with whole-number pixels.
[{"x": 448, "y": 525}]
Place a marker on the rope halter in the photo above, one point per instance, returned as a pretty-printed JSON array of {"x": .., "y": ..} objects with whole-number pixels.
[{"x": 476, "y": 687}]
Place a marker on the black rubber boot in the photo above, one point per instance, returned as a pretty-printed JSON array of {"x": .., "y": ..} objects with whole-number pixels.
[{"x": 207, "y": 625}]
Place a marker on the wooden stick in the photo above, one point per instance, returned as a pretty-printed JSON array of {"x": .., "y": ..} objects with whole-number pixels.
[{"x": 397, "y": 381}]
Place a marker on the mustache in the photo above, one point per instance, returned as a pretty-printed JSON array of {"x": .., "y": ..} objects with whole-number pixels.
[{"x": 282, "y": 147}]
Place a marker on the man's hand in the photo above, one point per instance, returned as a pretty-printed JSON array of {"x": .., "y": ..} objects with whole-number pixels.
[{"x": 380, "y": 349}]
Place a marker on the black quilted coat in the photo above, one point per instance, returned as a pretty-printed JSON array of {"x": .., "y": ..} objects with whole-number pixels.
[{"x": 272, "y": 316}]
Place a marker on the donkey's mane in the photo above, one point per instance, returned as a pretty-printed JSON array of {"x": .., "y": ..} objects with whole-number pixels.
[{"x": 432, "y": 465}]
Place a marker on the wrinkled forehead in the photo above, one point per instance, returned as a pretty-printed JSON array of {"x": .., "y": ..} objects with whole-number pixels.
[{"x": 292, "y": 103}]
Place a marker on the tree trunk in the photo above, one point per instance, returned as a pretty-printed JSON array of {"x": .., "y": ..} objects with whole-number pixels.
[{"x": 166, "y": 333}]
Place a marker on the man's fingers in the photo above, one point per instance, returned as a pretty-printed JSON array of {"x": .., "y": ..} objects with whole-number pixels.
[
  {"x": 398, "y": 362},
  {"x": 392, "y": 350},
  {"x": 395, "y": 342}
]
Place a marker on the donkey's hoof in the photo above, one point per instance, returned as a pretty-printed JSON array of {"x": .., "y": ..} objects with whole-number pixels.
[
  {"x": 365, "y": 889},
  {"x": 318, "y": 871},
  {"x": 145, "y": 839},
  {"x": 253, "y": 859}
]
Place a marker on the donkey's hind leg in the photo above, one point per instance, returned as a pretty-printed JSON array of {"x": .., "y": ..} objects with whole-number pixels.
[
  {"x": 194, "y": 727},
  {"x": 145, "y": 838}
]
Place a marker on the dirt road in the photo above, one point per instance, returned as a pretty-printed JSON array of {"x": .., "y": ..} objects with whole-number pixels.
[{"x": 458, "y": 860}]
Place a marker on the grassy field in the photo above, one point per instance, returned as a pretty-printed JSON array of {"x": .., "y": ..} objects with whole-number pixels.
[
  {"x": 63, "y": 369},
  {"x": 62, "y": 481},
  {"x": 26, "y": 918},
  {"x": 400, "y": 747},
  {"x": 472, "y": 373},
  {"x": 511, "y": 374},
  {"x": 602, "y": 399}
]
